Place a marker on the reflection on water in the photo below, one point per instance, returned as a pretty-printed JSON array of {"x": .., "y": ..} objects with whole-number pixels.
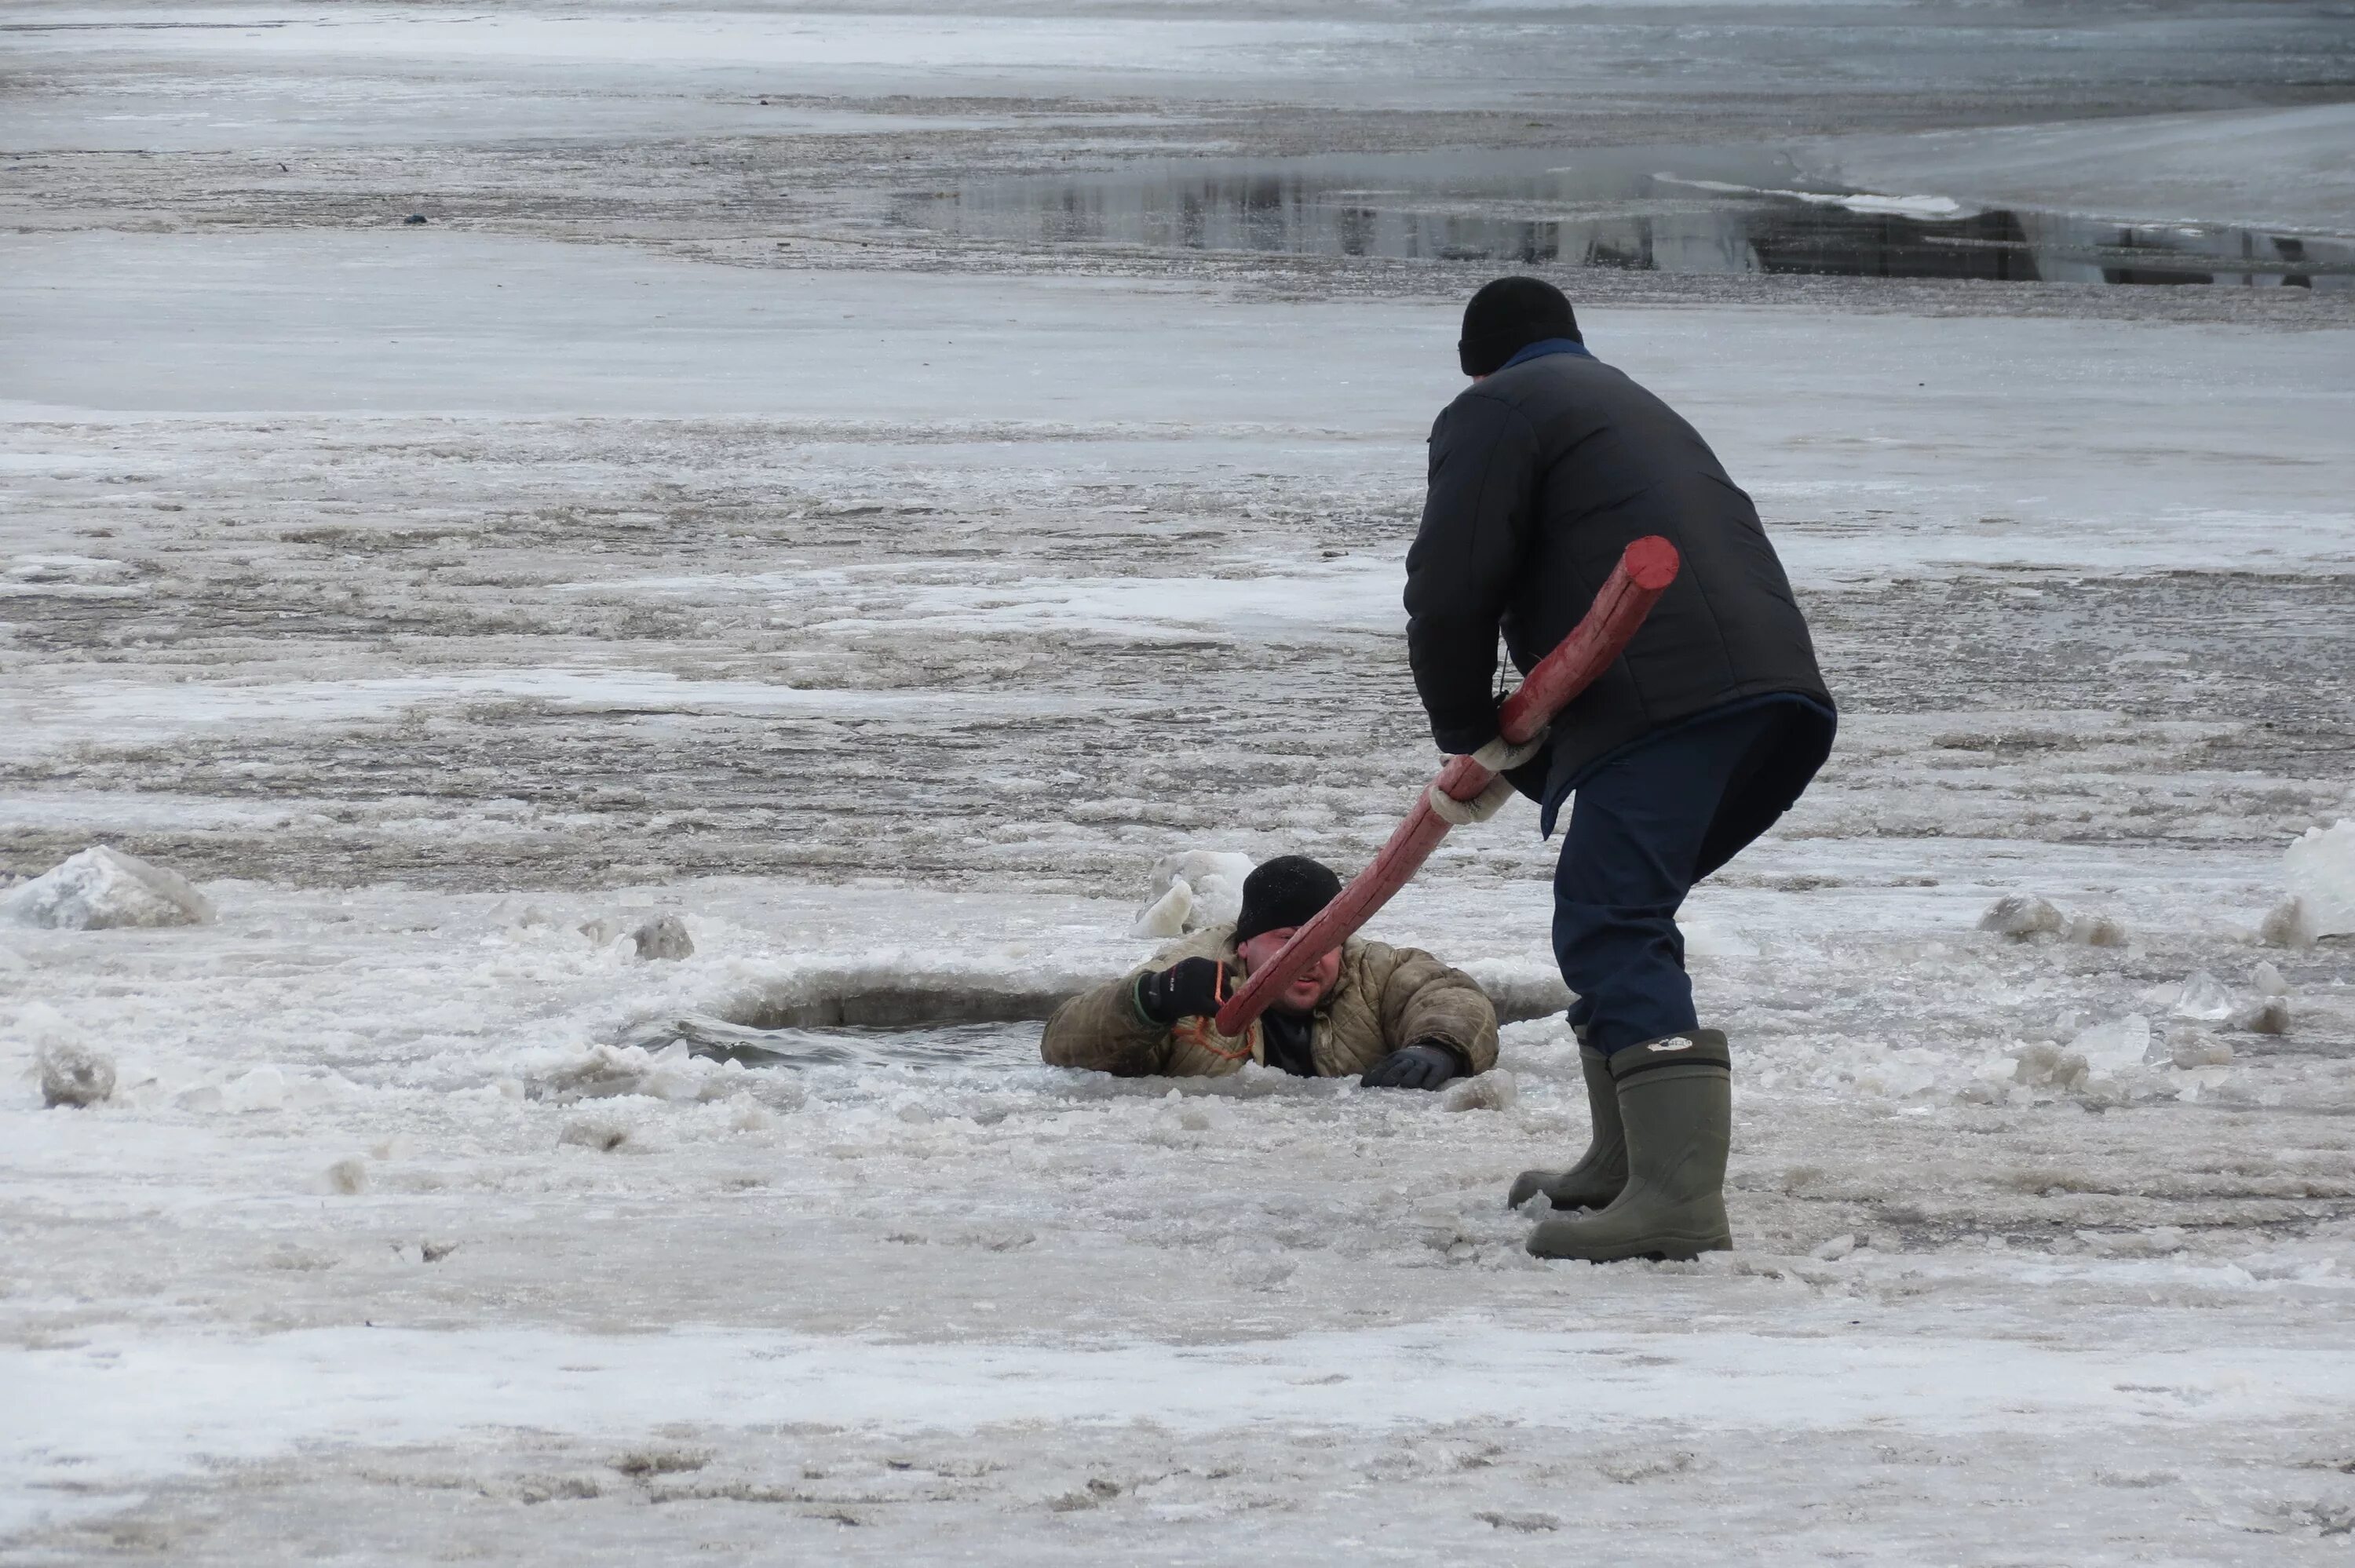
[{"x": 1670, "y": 210}]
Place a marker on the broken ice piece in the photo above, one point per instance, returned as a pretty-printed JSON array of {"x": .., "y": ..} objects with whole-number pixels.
[
  {"x": 2266, "y": 1015},
  {"x": 2201, "y": 1052},
  {"x": 1493, "y": 1090},
  {"x": 102, "y": 889},
  {"x": 2286, "y": 925},
  {"x": 1165, "y": 916},
  {"x": 75, "y": 1075},
  {"x": 664, "y": 938},
  {"x": 2203, "y": 1000},
  {"x": 2267, "y": 979},
  {"x": 2020, "y": 915},
  {"x": 2096, "y": 931},
  {"x": 2110, "y": 1047},
  {"x": 262, "y": 1089},
  {"x": 2320, "y": 869}
]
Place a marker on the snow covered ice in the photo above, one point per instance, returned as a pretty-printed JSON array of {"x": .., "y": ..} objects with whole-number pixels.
[
  {"x": 674, "y": 533},
  {"x": 102, "y": 888}
]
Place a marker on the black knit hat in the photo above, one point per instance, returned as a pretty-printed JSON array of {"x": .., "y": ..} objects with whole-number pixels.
[
  {"x": 1287, "y": 891},
  {"x": 1507, "y": 316}
]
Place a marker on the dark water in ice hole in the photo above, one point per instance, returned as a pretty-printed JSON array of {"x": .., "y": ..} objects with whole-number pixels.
[
  {"x": 1711, "y": 210},
  {"x": 918, "y": 1022}
]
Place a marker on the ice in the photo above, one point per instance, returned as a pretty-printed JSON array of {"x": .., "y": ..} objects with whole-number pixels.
[
  {"x": 2203, "y": 1000},
  {"x": 1191, "y": 889},
  {"x": 2288, "y": 924},
  {"x": 2266, "y": 979},
  {"x": 2266, "y": 1015},
  {"x": 2096, "y": 931},
  {"x": 1165, "y": 916},
  {"x": 2116, "y": 1046},
  {"x": 2196, "y": 1052},
  {"x": 74, "y": 1075},
  {"x": 664, "y": 938},
  {"x": 260, "y": 1089},
  {"x": 1493, "y": 1090},
  {"x": 668, "y": 527},
  {"x": 2021, "y": 915},
  {"x": 103, "y": 889},
  {"x": 2320, "y": 869}
]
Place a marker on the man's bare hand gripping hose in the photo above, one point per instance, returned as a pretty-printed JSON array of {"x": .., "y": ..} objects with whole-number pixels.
[{"x": 1471, "y": 789}]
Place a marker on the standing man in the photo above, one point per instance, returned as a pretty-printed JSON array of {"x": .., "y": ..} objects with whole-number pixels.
[{"x": 1685, "y": 749}]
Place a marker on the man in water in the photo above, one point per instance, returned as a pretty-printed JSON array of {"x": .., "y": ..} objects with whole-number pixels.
[
  {"x": 1685, "y": 749},
  {"x": 1395, "y": 1017}
]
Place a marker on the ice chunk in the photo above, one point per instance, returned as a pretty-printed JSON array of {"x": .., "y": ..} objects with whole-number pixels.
[
  {"x": 594, "y": 1133},
  {"x": 2266, "y": 1015},
  {"x": 1493, "y": 1090},
  {"x": 75, "y": 1075},
  {"x": 2320, "y": 869},
  {"x": 345, "y": 1176},
  {"x": 1165, "y": 916},
  {"x": 2267, "y": 980},
  {"x": 2287, "y": 925},
  {"x": 1838, "y": 1247},
  {"x": 2199, "y": 1051},
  {"x": 664, "y": 938},
  {"x": 2114, "y": 1046},
  {"x": 263, "y": 1089},
  {"x": 2020, "y": 915},
  {"x": 2042, "y": 1065},
  {"x": 1211, "y": 882},
  {"x": 2203, "y": 1000},
  {"x": 102, "y": 889},
  {"x": 2096, "y": 931}
]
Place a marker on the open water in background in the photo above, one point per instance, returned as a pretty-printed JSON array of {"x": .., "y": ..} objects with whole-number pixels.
[{"x": 1709, "y": 210}]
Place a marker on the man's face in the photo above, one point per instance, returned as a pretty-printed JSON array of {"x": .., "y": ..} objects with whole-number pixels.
[{"x": 1314, "y": 983}]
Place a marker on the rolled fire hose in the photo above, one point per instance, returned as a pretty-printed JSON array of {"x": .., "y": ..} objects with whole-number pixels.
[{"x": 1646, "y": 569}]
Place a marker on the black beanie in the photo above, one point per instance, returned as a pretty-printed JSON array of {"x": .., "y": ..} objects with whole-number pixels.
[
  {"x": 1507, "y": 316},
  {"x": 1287, "y": 891}
]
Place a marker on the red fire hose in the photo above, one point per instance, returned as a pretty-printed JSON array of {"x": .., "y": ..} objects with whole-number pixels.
[{"x": 1646, "y": 569}]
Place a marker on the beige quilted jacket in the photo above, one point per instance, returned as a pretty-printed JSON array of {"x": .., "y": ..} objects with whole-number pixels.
[{"x": 1386, "y": 998}]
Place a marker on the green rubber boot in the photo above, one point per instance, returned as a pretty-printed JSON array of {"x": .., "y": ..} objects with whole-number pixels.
[
  {"x": 1596, "y": 1179},
  {"x": 1676, "y": 1104}
]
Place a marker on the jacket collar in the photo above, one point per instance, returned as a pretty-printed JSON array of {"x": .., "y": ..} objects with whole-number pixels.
[{"x": 1548, "y": 345}]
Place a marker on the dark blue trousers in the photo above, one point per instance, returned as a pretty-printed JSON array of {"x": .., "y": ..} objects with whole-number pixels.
[{"x": 1646, "y": 824}]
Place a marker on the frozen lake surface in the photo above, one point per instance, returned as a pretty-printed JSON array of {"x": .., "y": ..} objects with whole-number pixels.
[{"x": 667, "y": 528}]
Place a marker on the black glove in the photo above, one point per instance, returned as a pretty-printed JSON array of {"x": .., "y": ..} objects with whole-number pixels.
[
  {"x": 1425, "y": 1065},
  {"x": 1190, "y": 988}
]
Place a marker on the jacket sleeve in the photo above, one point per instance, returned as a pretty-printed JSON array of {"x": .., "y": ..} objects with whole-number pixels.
[
  {"x": 1476, "y": 519},
  {"x": 1422, "y": 999},
  {"x": 1100, "y": 1028}
]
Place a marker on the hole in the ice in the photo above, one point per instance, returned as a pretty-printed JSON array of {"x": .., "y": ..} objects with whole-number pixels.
[
  {"x": 847, "y": 1017},
  {"x": 1674, "y": 209}
]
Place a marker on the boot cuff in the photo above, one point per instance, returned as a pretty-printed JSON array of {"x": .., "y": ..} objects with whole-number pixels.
[{"x": 1694, "y": 1048}]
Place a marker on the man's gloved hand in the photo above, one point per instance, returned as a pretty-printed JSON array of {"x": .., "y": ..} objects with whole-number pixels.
[
  {"x": 1425, "y": 1065},
  {"x": 1190, "y": 988}
]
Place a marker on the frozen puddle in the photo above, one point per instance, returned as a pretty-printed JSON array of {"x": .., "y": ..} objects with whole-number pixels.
[{"x": 1710, "y": 210}]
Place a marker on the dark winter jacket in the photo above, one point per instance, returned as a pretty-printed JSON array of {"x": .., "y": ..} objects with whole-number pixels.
[{"x": 1540, "y": 476}]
